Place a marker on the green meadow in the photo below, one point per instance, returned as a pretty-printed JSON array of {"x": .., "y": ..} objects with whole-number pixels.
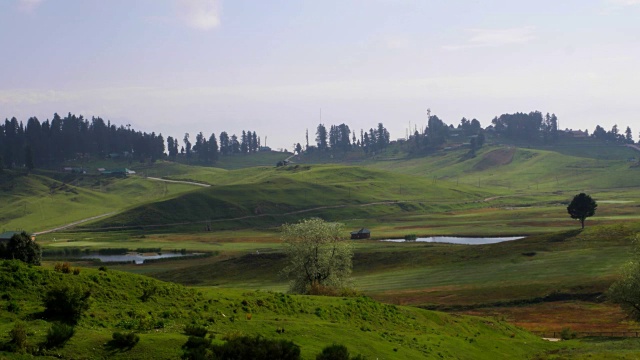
[{"x": 556, "y": 277}]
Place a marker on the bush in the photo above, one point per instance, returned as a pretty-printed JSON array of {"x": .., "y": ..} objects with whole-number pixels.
[
  {"x": 59, "y": 334},
  {"x": 13, "y": 307},
  {"x": 76, "y": 271},
  {"x": 241, "y": 347},
  {"x": 195, "y": 330},
  {"x": 258, "y": 348},
  {"x": 123, "y": 341},
  {"x": 64, "y": 268},
  {"x": 568, "y": 334},
  {"x": 103, "y": 268},
  {"x": 18, "y": 337},
  {"x": 67, "y": 302},
  {"x": 334, "y": 352}
]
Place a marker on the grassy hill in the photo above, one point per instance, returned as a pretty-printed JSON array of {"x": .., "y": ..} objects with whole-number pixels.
[
  {"x": 43, "y": 200},
  {"x": 365, "y": 326},
  {"x": 268, "y": 197}
]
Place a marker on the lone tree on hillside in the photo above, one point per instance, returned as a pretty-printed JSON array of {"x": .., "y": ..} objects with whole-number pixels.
[
  {"x": 318, "y": 254},
  {"x": 582, "y": 206}
]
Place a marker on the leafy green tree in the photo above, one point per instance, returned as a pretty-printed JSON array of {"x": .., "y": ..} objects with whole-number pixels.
[
  {"x": 67, "y": 303},
  {"x": 581, "y": 207},
  {"x": 626, "y": 290},
  {"x": 318, "y": 255},
  {"x": 21, "y": 247}
]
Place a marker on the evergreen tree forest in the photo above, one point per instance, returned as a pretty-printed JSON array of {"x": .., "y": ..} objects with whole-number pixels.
[{"x": 50, "y": 143}]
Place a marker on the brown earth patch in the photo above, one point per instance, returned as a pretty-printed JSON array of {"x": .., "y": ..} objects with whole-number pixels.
[
  {"x": 498, "y": 157},
  {"x": 577, "y": 315}
]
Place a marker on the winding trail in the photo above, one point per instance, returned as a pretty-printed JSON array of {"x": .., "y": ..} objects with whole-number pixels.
[
  {"x": 63, "y": 227},
  {"x": 179, "y": 181},
  {"x": 634, "y": 146}
]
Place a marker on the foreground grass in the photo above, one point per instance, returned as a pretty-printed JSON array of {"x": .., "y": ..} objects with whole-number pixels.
[{"x": 363, "y": 325}]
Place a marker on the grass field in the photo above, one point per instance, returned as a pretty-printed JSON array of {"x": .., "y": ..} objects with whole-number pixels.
[
  {"x": 366, "y": 327},
  {"x": 553, "y": 279}
]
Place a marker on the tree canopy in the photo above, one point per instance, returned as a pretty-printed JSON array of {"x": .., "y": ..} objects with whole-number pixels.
[
  {"x": 318, "y": 255},
  {"x": 21, "y": 247},
  {"x": 581, "y": 207}
]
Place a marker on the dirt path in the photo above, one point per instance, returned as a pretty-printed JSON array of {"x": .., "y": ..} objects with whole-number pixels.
[
  {"x": 633, "y": 146},
  {"x": 73, "y": 224},
  {"x": 179, "y": 182}
]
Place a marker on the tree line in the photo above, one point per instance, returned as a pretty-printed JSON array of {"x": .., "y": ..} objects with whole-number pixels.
[
  {"x": 51, "y": 142},
  {"x": 341, "y": 138},
  {"x": 535, "y": 127},
  {"x": 47, "y": 143}
]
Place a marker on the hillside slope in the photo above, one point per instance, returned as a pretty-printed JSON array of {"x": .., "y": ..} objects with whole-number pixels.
[
  {"x": 363, "y": 325},
  {"x": 267, "y": 197}
]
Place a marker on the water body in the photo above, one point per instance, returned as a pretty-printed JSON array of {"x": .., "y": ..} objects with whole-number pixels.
[
  {"x": 461, "y": 240},
  {"x": 133, "y": 257}
]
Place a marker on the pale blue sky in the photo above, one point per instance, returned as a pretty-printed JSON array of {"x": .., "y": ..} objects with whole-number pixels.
[{"x": 177, "y": 66}]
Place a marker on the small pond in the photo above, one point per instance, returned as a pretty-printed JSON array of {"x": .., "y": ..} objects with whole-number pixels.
[
  {"x": 133, "y": 257},
  {"x": 460, "y": 240}
]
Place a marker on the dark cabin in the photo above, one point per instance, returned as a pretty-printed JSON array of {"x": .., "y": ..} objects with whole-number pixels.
[{"x": 361, "y": 234}]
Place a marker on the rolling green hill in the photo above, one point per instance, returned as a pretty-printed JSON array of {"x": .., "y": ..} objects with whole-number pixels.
[
  {"x": 268, "y": 197},
  {"x": 366, "y": 327},
  {"x": 43, "y": 200}
]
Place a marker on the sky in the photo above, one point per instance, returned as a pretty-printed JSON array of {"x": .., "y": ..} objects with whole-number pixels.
[{"x": 280, "y": 67}]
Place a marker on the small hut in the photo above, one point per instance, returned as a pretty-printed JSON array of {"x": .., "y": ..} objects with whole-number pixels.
[{"x": 361, "y": 234}]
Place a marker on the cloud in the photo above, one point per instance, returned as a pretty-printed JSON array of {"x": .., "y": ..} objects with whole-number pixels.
[
  {"x": 28, "y": 5},
  {"x": 625, "y": 2},
  {"x": 396, "y": 42},
  {"x": 496, "y": 37},
  {"x": 200, "y": 14}
]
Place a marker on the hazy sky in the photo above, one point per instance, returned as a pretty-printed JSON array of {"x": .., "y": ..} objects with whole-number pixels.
[{"x": 176, "y": 66}]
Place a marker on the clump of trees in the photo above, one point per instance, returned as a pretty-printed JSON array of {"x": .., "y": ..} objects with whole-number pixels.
[
  {"x": 318, "y": 255},
  {"x": 340, "y": 138},
  {"x": 531, "y": 127},
  {"x": 21, "y": 247},
  {"x": 613, "y": 135},
  {"x": 581, "y": 207}
]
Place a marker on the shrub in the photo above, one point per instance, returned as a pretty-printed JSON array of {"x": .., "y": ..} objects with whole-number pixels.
[
  {"x": 67, "y": 302},
  {"x": 197, "y": 348},
  {"x": 123, "y": 341},
  {"x": 334, "y": 352},
  {"x": 241, "y": 347},
  {"x": 195, "y": 330},
  {"x": 568, "y": 334},
  {"x": 76, "y": 271},
  {"x": 103, "y": 268},
  {"x": 258, "y": 348},
  {"x": 64, "y": 268},
  {"x": 148, "y": 291},
  {"x": 18, "y": 337},
  {"x": 59, "y": 334},
  {"x": 13, "y": 307},
  {"x": 410, "y": 237}
]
